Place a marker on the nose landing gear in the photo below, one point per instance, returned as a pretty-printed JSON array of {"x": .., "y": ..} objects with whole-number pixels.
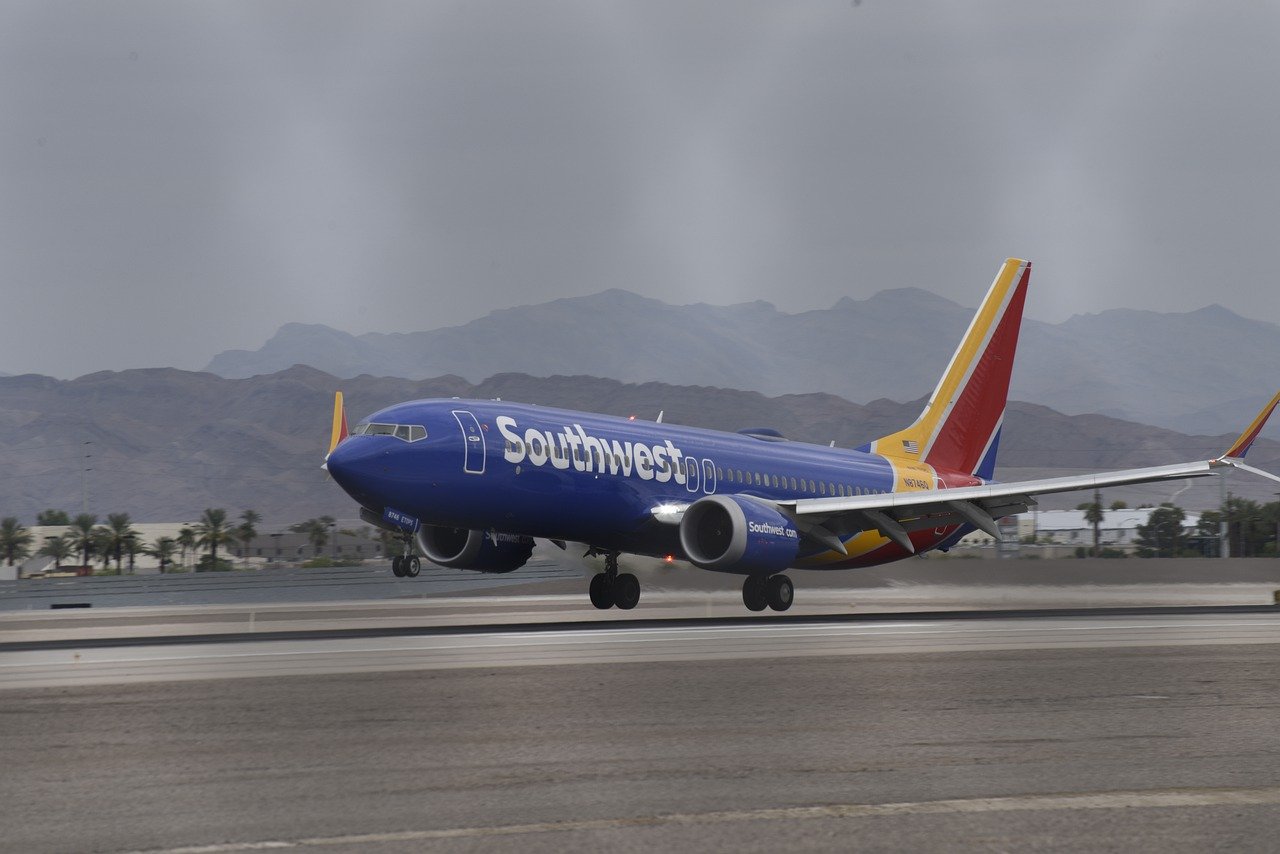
[
  {"x": 608, "y": 588},
  {"x": 406, "y": 565}
]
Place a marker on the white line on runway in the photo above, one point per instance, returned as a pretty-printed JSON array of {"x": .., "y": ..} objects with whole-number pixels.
[{"x": 1139, "y": 799}]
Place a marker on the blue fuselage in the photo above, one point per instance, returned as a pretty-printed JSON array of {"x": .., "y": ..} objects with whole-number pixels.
[{"x": 565, "y": 475}]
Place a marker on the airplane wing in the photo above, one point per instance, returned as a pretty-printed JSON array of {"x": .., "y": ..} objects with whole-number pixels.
[{"x": 896, "y": 514}]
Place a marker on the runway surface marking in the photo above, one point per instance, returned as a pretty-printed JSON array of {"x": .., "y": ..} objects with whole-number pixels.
[
  {"x": 1138, "y": 799},
  {"x": 172, "y": 662}
]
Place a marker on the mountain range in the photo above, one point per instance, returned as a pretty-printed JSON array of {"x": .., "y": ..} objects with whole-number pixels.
[
  {"x": 163, "y": 444},
  {"x": 1204, "y": 371}
]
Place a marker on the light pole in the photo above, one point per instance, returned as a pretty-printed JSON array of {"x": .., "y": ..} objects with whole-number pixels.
[
  {"x": 84, "y": 477},
  {"x": 1224, "y": 541}
]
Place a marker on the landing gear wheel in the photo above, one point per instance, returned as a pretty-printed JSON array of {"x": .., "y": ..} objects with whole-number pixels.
[
  {"x": 626, "y": 591},
  {"x": 780, "y": 592},
  {"x": 397, "y": 566},
  {"x": 412, "y": 566},
  {"x": 601, "y": 591},
  {"x": 753, "y": 593}
]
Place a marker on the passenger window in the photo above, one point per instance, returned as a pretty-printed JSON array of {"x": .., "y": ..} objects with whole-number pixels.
[
  {"x": 719, "y": 471},
  {"x": 822, "y": 488}
]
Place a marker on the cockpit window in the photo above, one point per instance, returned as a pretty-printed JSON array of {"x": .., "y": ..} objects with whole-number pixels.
[{"x": 403, "y": 432}]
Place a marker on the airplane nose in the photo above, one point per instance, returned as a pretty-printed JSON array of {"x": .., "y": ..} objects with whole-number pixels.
[{"x": 341, "y": 463}]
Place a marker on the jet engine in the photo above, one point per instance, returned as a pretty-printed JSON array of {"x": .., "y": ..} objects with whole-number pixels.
[
  {"x": 736, "y": 533},
  {"x": 468, "y": 548}
]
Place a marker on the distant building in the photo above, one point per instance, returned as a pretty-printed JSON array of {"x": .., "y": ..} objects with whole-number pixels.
[{"x": 1070, "y": 529}]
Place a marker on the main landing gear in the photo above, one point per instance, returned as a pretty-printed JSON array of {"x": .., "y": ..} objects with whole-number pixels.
[
  {"x": 608, "y": 588},
  {"x": 406, "y": 565},
  {"x": 774, "y": 591}
]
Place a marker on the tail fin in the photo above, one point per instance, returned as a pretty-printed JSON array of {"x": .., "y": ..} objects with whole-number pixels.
[
  {"x": 959, "y": 429},
  {"x": 339, "y": 431}
]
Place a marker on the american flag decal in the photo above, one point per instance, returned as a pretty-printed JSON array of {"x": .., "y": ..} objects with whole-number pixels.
[{"x": 911, "y": 446}]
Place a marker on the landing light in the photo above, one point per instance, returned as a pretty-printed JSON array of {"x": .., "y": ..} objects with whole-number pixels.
[{"x": 669, "y": 559}]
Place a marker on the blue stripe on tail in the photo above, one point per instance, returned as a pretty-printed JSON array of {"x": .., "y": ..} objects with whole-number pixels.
[{"x": 987, "y": 468}]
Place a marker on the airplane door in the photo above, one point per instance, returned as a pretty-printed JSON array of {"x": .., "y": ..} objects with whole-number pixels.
[
  {"x": 691, "y": 474},
  {"x": 472, "y": 442},
  {"x": 708, "y": 477}
]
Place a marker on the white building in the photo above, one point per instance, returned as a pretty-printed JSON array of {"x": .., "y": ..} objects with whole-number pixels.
[{"x": 1119, "y": 528}]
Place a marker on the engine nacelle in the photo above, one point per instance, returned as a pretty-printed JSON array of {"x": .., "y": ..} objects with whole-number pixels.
[
  {"x": 467, "y": 548},
  {"x": 734, "y": 533}
]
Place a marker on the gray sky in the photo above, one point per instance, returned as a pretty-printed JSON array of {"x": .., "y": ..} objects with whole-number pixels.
[{"x": 181, "y": 178}]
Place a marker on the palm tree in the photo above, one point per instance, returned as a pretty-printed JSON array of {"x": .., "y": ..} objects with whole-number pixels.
[
  {"x": 15, "y": 540},
  {"x": 81, "y": 534},
  {"x": 132, "y": 545},
  {"x": 212, "y": 531},
  {"x": 119, "y": 532},
  {"x": 186, "y": 542},
  {"x": 1093, "y": 514},
  {"x": 246, "y": 532},
  {"x": 162, "y": 550},
  {"x": 58, "y": 548},
  {"x": 102, "y": 546}
]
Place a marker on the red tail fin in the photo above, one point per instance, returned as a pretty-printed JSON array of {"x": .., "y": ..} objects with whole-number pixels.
[{"x": 960, "y": 426}]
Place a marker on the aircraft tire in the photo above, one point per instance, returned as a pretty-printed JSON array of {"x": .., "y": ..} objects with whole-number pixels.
[
  {"x": 412, "y": 566},
  {"x": 397, "y": 566},
  {"x": 779, "y": 592},
  {"x": 626, "y": 591},
  {"x": 601, "y": 592},
  {"x": 753, "y": 593}
]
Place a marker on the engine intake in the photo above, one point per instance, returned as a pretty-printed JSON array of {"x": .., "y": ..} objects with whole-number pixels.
[
  {"x": 468, "y": 548},
  {"x": 736, "y": 533}
]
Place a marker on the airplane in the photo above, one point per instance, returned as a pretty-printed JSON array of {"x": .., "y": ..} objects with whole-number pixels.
[{"x": 474, "y": 482}]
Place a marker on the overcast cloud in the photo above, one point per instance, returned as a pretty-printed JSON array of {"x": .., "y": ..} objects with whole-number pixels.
[{"x": 181, "y": 178}]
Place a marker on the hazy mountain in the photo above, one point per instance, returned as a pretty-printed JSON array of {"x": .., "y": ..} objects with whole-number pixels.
[
  {"x": 164, "y": 444},
  {"x": 1199, "y": 371}
]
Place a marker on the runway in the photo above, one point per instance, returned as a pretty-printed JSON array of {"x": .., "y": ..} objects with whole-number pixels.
[
  {"x": 53, "y": 664},
  {"x": 1098, "y": 732}
]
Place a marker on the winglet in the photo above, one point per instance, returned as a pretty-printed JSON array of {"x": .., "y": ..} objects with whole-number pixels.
[
  {"x": 340, "y": 431},
  {"x": 1242, "y": 445}
]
